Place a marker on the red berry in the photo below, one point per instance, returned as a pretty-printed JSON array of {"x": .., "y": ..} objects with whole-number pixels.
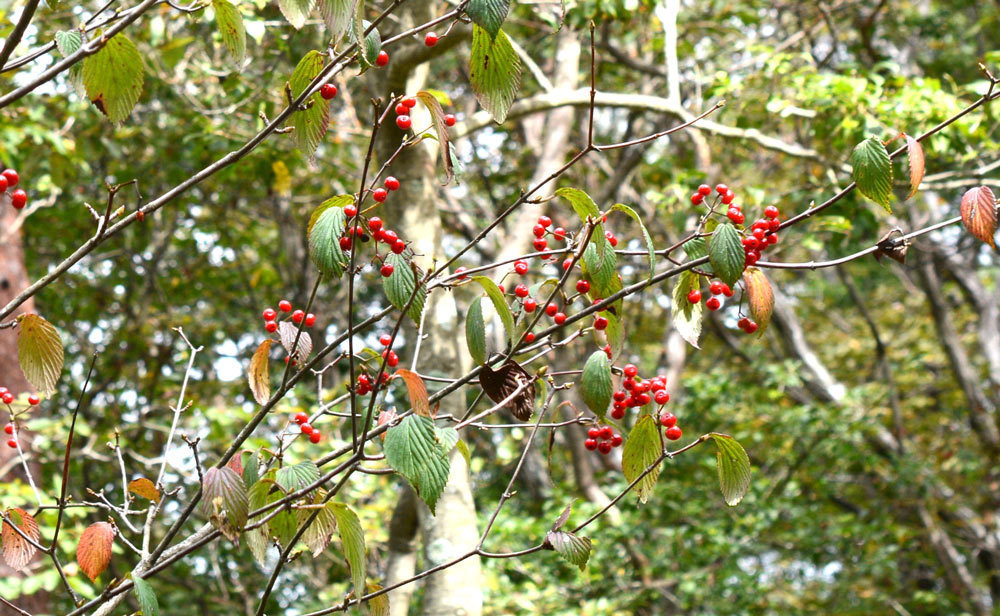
[
  {"x": 140, "y": 215},
  {"x": 380, "y": 194},
  {"x": 399, "y": 246},
  {"x": 12, "y": 444},
  {"x": 529, "y": 337},
  {"x": 449, "y": 119},
  {"x": 721, "y": 188},
  {"x": 618, "y": 413},
  {"x": 391, "y": 359},
  {"x": 705, "y": 189},
  {"x": 607, "y": 350},
  {"x": 594, "y": 432},
  {"x": 389, "y": 237},
  {"x": 350, "y": 211},
  {"x": 385, "y": 340},
  {"x": 559, "y": 318},
  {"x": 771, "y": 211},
  {"x": 306, "y": 428},
  {"x": 567, "y": 263},
  {"x": 551, "y": 310},
  {"x": 545, "y": 221},
  {"x": 750, "y": 328},
  {"x": 375, "y": 224},
  {"x": 630, "y": 371},
  {"x": 540, "y": 244},
  {"x": 310, "y": 320},
  {"x": 298, "y": 316},
  {"x": 301, "y": 418},
  {"x": 661, "y": 397},
  {"x": 752, "y": 257},
  {"x": 391, "y": 183},
  {"x": 402, "y": 109},
  {"x": 18, "y": 199},
  {"x": 616, "y": 440},
  {"x": 33, "y": 400},
  {"x": 3, "y": 184},
  {"x": 697, "y": 198},
  {"x": 403, "y": 121},
  {"x": 774, "y": 224},
  {"x": 673, "y": 433},
  {"x": 728, "y": 197},
  {"x": 271, "y": 327},
  {"x": 759, "y": 232},
  {"x": 713, "y": 303},
  {"x": 460, "y": 271},
  {"x": 9, "y": 428},
  {"x": 772, "y": 239},
  {"x": 382, "y": 59},
  {"x": 619, "y": 396},
  {"x": 285, "y": 305},
  {"x": 559, "y": 233},
  {"x": 410, "y": 102},
  {"x": 11, "y": 176},
  {"x": 270, "y": 314},
  {"x": 582, "y": 286},
  {"x": 727, "y": 290},
  {"x": 590, "y": 444},
  {"x": 431, "y": 39},
  {"x": 606, "y": 432},
  {"x": 386, "y": 270},
  {"x": 611, "y": 238},
  {"x": 328, "y": 91},
  {"x": 345, "y": 243},
  {"x": 538, "y": 230},
  {"x": 530, "y": 305},
  {"x": 521, "y": 267},
  {"x": 715, "y": 287},
  {"x": 600, "y": 323},
  {"x": 742, "y": 323},
  {"x": 694, "y": 296},
  {"x": 315, "y": 436},
  {"x": 668, "y": 420},
  {"x": 604, "y": 447}
]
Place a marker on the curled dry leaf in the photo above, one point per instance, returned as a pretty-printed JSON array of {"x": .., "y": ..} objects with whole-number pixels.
[
  {"x": 979, "y": 213},
  {"x": 501, "y": 383},
  {"x": 915, "y": 158},
  {"x": 259, "y": 374},
  {"x": 287, "y": 331},
  {"x": 18, "y": 551},
  {"x": 93, "y": 552}
]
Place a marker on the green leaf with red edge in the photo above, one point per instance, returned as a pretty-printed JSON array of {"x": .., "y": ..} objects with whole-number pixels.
[
  {"x": 352, "y": 538},
  {"x": 93, "y": 552},
  {"x": 734, "y": 468},
  {"x": 225, "y": 501},
  {"x": 686, "y": 316},
  {"x": 595, "y": 383},
  {"x": 399, "y": 287},
  {"x": 412, "y": 448},
  {"x": 979, "y": 213},
  {"x": 296, "y": 11},
  {"x": 437, "y": 116},
  {"x": 915, "y": 161},
  {"x": 259, "y": 374},
  {"x": 760, "y": 297},
  {"x": 310, "y": 123},
  {"x": 494, "y": 71},
  {"x": 872, "y": 171},
  {"x": 417, "y": 392},
  {"x": 113, "y": 78},
  {"x": 643, "y": 449},
  {"x": 18, "y": 551},
  {"x": 39, "y": 351},
  {"x": 231, "y": 29},
  {"x": 574, "y": 549},
  {"x": 726, "y": 254}
]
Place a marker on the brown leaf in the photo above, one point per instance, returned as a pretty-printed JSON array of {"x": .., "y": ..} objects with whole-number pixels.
[
  {"x": 18, "y": 551},
  {"x": 144, "y": 487},
  {"x": 287, "y": 331},
  {"x": 93, "y": 553},
  {"x": 760, "y": 296},
  {"x": 417, "y": 391},
  {"x": 893, "y": 247},
  {"x": 915, "y": 157},
  {"x": 385, "y": 417},
  {"x": 259, "y": 374},
  {"x": 498, "y": 384},
  {"x": 979, "y": 213}
]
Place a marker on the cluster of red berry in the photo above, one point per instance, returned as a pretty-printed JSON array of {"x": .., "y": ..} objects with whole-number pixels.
[
  {"x": 716, "y": 288},
  {"x": 541, "y": 230},
  {"x": 762, "y": 235},
  {"x": 391, "y": 359},
  {"x": 378, "y": 231},
  {"x": 306, "y": 428},
  {"x": 672, "y": 431},
  {"x": 299, "y": 316},
  {"x": 365, "y": 385},
  {"x": 636, "y": 391},
  {"x": 403, "y": 120},
  {"x": 9, "y": 179},
  {"x": 602, "y": 439},
  {"x": 7, "y": 397}
]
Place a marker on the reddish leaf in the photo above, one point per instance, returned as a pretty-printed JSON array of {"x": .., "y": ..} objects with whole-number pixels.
[
  {"x": 144, "y": 487},
  {"x": 760, "y": 296},
  {"x": 385, "y": 417},
  {"x": 225, "y": 500},
  {"x": 979, "y": 213},
  {"x": 93, "y": 553},
  {"x": 915, "y": 156},
  {"x": 259, "y": 374},
  {"x": 18, "y": 551},
  {"x": 417, "y": 391},
  {"x": 236, "y": 463}
]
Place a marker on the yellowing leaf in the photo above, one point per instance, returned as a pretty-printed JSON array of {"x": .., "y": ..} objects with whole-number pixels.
[
  {"x": 230, "y": 23},
  {"x": 494, "y": 71},
  {"x": 93, "y": 552},
  {"x": 282, "y": 183},
  {"x": 113, "y": 78},
  {"x": 760, "y": 297},
  {"x": 259, "y": 373},
  {"x": 18, "y": 551},
  {"x": 144, "y": 487},
  {"x": 39, "y": 351}
]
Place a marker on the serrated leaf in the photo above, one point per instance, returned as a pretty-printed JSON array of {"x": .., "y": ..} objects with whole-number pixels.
[
  {"x": 595, "y": 383},
  {"x": 231, "y": 29},
  {"x": 686, "y": 316},
  {"x": 145, "y": 488},
  {"x": 297, "y": 476},
  {"x": 251, "y": 468},
  {"x": 915, "y": 160},
  {"x": 311, "y": 123},
  {"x": 447, "y": 438},
  {"x": 441, "y": 128},
  {"x": 225, "y": 501},
  {"x": 734, "y": 468},
  {"x": 582, "y": 203},
  {"x": 317, "y": 535},
  {"x": 337, "y": 16},
  {"x": 494, "y": 71},
  {"x": 576, "y": 550},
  {"x": 488, "y": 14},
  {"x": 726, "y": 254},
  {"x": 68, "y": 41},
  {"x": 872, "y": 171},
  {"x": 39, "y": 351},
  {"x": 372, "y": 41},
  {"x": 643, "y": 448},
  {"x": 377, "y": 606},
  {"x": 400, "y": 285},
  {"x": 18, "y": 551},
  {"x": 500, "y": 304},
  {"x": 113, "y": 78},
  {"x": 979, "y": 214},
  {"x": 416, "y": 390},
  {"x": 621, "y": 207},
  {"x": 296, "y": 11},
  {"x": 760, "y": 297},
  {"x": 146, "y": 596},
  {"x": 352, "y": 537},
  {"x": 257, "y": 538},
  {"x": 259, "y": 374},
  {"x": 287, "y": 332},
  {"x": 564, "y": 516},
  {"x": 602, "y": 271},
  {"x": 614, "y": 333},
  {"x": 475, "y": 332},
  {"x": 326, "y": 226},
  {"x": 93, "y": 552},
  {"x": 412, "y": 449},
  {"x": 501, "y": 383}
]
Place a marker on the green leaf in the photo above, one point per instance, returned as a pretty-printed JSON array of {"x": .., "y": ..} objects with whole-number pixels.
[
  {"x": 686, "y": 316},
  {"x": 582, "y": 203},
  {"x": 257, "y": 538},
  {"x": 412, "y": 449},
  {"x": 373, "y": 40},
  {"x": 488, "y": 14},
  {"x": 499, "y": 303},
  {"x": 621, "y": 207},
  {"x": 475, "y": 332},
  {"x": 642, "y": 449},
  {"x": 297, "y": 476},
  {"x": 251, "y": 468},
  {"x": 230, "y": 23},
  {"x": 352, "y": 537},
  {"x": 696, "y": 248},
  {"x": 447, "y": 438},
  {"x": 39, "y": 351},
  {"x": 595, "y": 383},
  {"x": 441, "y": 128},
  {"x": 575, "y": 550},
  {"x": 68, "y": 41},
  {"x": 602, "y": 272},
  {"x": 284, "y": 525},
  {"x": 337, "y": 15},
  {"x": 113, "y": 78},
  {"x": 310, "y": 124},
  {"x": 225, "y": 501},
  {"x": 726, "y": 254},
  {"x": 317, "y": 535},
  {"x": 324, "y": 238},
  {"x": 337, "y": 201},
  {"x": 400, "y": 285},
  {"x": 296, "y": 11},
  {"x": 146, "y": 597},
  {"x": 872, "y": 171},
  {"x": 734, "y": 468},
  {"x": 495, "y": 72},
  {"x": 614, "y": 333}
]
